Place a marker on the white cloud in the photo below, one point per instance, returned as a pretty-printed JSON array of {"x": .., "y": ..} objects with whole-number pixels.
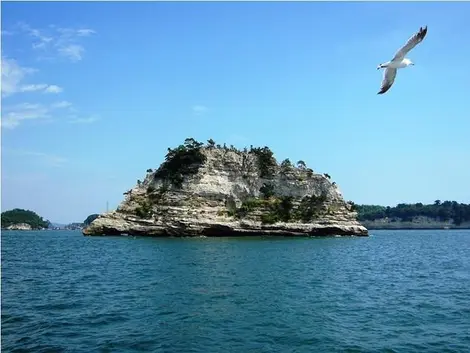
[
  {"x": 63, "y": 41},
  {"x": 53, "y": 89},
  {"x": 73, "y": 51},
  {"x": 12, "y": 116},
  {"x": 85, "y": 32},
  {"x": 24, "y": 111},
  {"x": 89, "y": 120},
  {"x": 13, "y": 76},
  {"x": 62, "y": 104},
  {"x": 199, "y": 109},
  {"x": 15, "y": 115},
  {"x": 52, "y": 40},
  {"x": 41, "y": 87},
  {"x": 49, "y": 159},
  {"x": 33, "y": 87}
]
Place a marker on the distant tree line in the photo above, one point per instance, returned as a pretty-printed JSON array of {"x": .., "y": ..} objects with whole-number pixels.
[
  {"x": 440, "y": 211},
  {"x": 18, "y": 215}
]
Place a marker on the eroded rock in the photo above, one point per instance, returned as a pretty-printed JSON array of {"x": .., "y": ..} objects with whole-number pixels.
[{"x": 220, "y": 191}]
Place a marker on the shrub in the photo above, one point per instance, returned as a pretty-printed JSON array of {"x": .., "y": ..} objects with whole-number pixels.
[
  {"x": 266, "y": 162},
  {"x": 144, "y": 210},
  {"x": 267, "y": 190},
  {"x": 279, "y": 210},
  {"x": 180, "y": 162},
  {"x": 309, "y": 207}
]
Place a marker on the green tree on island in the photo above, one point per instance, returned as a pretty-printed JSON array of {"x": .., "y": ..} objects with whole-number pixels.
[
  {"x": 211, "y": 143},
  {"x": 18, "y": 215},
  {"x": 439, "y": 211},
  {"x": 90, "y": 219},
  {"x": 301, "y": 165}
]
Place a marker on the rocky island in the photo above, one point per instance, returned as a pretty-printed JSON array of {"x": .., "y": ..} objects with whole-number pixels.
[
  {"x": 20, "y": 219},
  {"x": 214, "y": 190}
]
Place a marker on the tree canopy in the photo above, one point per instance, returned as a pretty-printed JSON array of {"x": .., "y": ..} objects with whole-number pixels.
[
  {"x": 441, "y": 211},
  {"x": 266, "y": 161},
  {"x": 18, "y": 215},
  {"x": 90, "y": 219},
  {"x": 181, "y": 161}
]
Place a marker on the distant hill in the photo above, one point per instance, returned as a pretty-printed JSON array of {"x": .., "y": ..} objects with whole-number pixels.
[
  {"x": 18, "y": 216},
  {"x": 57, "y": 225},
  {"x": 90, "y": 219},
  {"x": 449, "y": 214}
]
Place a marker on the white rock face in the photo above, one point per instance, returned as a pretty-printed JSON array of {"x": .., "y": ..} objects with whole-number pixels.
[
  {"x": 224, "y": 182},
  {"x": 20, "y": 226}
]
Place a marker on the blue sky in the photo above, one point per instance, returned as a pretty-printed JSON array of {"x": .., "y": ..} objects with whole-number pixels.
[{"x": 94, "y": 93}]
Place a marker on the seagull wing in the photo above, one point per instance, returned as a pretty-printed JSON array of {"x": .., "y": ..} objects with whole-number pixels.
[
  {"x": 389, "y": 78},
  {"x": 411, "y": 43}
]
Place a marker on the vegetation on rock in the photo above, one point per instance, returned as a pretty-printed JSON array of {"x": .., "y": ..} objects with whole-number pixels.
[
  {"x": 18, "y": 215},
  {"x": 266, "y": 162},
  {"x": 187, "y": 158},
  {"x": 156, "y": 195},
  {"x": 181, "y": 161},
  {"x": 439, "y": 211},
  {"x": 267, "y": 190},
  {"x": 144, "y": 210},
  {"x": 246, "y": 184},
  {"x": 286, "y": 166},
  {"x": 211, "y": 143},
  {"x": 310, "y": 206},
  {"x": 90, "y": 219},
  {"x": 281, "y": 208}
]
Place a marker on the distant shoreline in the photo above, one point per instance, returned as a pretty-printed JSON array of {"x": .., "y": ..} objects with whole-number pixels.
[
  {"x": 38, "y": 230},
  {"x": 372, "y": 228},
  {"x": 416, "y": 228},
  {"x": 410, "y": 226}
]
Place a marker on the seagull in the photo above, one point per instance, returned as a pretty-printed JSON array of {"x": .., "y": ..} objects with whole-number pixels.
[{"x": 399, "y": 61}]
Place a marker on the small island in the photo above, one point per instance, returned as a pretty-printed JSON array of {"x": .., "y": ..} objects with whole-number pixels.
[
  {"x": 20, "y": 219},
  {"x": 217, "y": 190},
  {"x": 439, "y": 215}
]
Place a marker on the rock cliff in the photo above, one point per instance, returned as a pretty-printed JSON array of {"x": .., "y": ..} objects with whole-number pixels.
[
  {"x": 209, "y": 190},
  {"x": 20, "y": 226}
]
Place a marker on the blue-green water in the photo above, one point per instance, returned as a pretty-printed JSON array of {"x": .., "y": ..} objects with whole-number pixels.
[{"x": 397, "y": 291}]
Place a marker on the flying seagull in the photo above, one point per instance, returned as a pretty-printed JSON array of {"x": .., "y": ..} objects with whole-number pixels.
[{"x": 399, "y": 61}]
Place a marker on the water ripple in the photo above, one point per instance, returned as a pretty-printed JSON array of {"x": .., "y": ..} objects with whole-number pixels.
[{"x": 398, "y": 291}]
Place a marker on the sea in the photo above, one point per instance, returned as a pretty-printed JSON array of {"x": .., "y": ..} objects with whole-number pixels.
[{"x": 395, "y": 291}]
